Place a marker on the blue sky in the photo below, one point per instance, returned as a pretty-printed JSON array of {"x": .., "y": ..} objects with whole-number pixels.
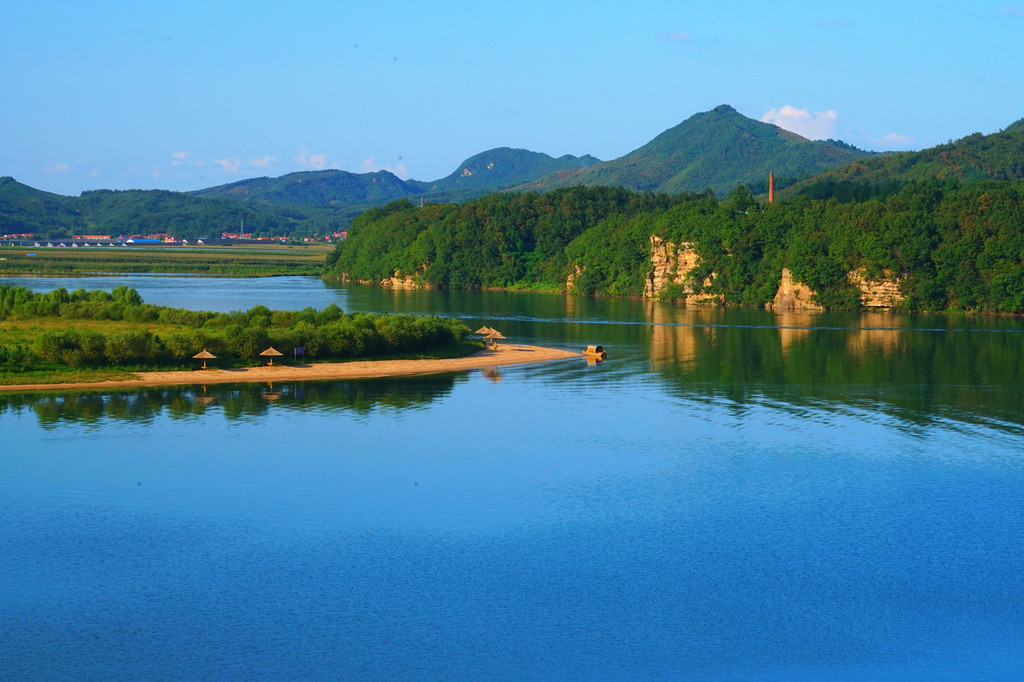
[{"x": 186, "y": 95}]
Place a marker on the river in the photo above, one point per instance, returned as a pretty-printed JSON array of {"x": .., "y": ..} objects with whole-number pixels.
[{"x": 733, "y": 494}]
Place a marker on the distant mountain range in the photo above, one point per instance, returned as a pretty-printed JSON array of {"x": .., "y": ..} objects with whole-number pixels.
[
  {"x": 717, "y": 149},
  {"x": 489, "y": 171}
]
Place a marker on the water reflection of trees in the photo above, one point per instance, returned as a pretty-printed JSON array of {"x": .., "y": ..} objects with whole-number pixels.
[
  {"x": 233, "y": 401},
  {"x": 876, "y": 359}
]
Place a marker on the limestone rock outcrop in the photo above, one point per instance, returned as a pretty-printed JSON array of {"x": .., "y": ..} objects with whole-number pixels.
[
  {"x": 395, "y": 281},
  {"x": 570, "y": 281},
  {"x": 794, "y": 295},
  {"x": 673, "y": 264},
  {"x": 877, "y": 293}
]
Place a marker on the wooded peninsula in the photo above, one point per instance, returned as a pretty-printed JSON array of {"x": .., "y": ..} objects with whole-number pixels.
[{"x": 94, "y": 335}]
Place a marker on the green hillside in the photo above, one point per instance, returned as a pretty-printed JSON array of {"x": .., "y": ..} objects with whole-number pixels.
[
  {"x": 503, "y": 167},
  {"x": 977, "y": 157},
  {"x": 717, "y": 149},
  {"x": 24, "y": 209},
  {"x": 317, "y": 188},
  {"x": 501, "y": 239},
  {"x": 952, "y": 247}
]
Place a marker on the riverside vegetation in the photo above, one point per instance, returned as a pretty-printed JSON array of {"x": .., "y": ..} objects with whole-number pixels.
[
  {"x": 82, "y": 335},
  {"x": 949, "y": 245}
]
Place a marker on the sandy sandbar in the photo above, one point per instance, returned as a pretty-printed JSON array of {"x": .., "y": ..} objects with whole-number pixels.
[{"x": 504, "y": 355}]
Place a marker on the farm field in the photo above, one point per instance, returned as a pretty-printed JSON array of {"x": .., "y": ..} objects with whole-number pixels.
[{"x": 215, "y": 261}]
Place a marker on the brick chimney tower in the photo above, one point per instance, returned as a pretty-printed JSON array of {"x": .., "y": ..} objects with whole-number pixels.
[{"x": 771, "y": 188}]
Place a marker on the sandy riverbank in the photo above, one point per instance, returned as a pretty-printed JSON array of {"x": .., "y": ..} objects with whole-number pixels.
[{"x": 504, "y": 355}]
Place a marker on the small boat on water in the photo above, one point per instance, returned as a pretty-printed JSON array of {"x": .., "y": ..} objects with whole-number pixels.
[{"x": 595, "y": 352}]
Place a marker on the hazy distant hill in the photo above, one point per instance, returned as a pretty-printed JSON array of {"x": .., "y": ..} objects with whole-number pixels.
[
  {"x": 26, "y": 209},
  {"x": 317, "y": 188},
  {"x": 998, "y": 156},
  {"x": 503, "y": 167},
  {"x": 717, "y": 149}
]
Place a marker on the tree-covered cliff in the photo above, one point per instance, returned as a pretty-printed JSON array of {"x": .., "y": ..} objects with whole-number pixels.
[{"x": 949, "y": 246}]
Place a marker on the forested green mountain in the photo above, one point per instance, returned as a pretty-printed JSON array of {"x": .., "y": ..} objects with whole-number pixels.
[
  {"x": 317, "y": 188},
  {"x": 998, "y": 156},
  {"x": 486, "y": 172},
  {"x": 26, "y": 209},
  {"x": 717, "y": 149},
  {"x": 950, "y": 246},
  {"x": 504, "y": 167}
]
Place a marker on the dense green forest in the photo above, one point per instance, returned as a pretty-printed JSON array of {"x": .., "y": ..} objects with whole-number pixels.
[
  {"x": 956, "y": 246},
  {"x": 236, "y": 337},
  {"x": 977, "y": 157},
  {"x": 499, "y": 240}
]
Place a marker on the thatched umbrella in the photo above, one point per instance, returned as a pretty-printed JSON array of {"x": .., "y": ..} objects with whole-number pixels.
[
  {"x": 271, "y": 353},
  {"x": 494, "y": 336},
  {"x": 204, "y": 355}
]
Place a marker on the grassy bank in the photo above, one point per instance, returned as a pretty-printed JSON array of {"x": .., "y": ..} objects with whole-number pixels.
[{"x": 215, "y": 261}]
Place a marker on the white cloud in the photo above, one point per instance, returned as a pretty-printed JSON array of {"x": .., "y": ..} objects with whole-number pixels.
[
  {"x": 95, "y": 173},
  {"x": 58, "y": 168},
  {"x": 229, "y": 165},
  {"x": 263, "y": 162},
  {"x": 677, "y": 37},
  {"x": 370, "y": 165},
  {"x": 1012, "y": 9},
  {"x": 314, "y": 161},
  {"x": 818, "y": 125},
  {"x": 891, "y": 141},
  {"x": 185, "y": 159}
]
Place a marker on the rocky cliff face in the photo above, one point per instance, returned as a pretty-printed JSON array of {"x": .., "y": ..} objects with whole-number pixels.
[
  {"x": 673, "y": 264},
  {"x": 794, "y": 295},
  {"x": 877, "y": 293},
  {"x": 396, "y": 282},
  {"x": 570, "y": 281},
  {"x": 393, "y": 282}
]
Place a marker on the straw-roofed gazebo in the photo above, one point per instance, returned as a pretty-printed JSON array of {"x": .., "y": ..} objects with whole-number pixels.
[
  {"x": 271, "y": 353},
  {"x": 494, "y": 336},
  {"x": 204, "y": 355}
]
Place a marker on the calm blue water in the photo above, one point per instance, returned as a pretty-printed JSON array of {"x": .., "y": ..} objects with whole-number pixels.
[{"x": 732, "y": 495}]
